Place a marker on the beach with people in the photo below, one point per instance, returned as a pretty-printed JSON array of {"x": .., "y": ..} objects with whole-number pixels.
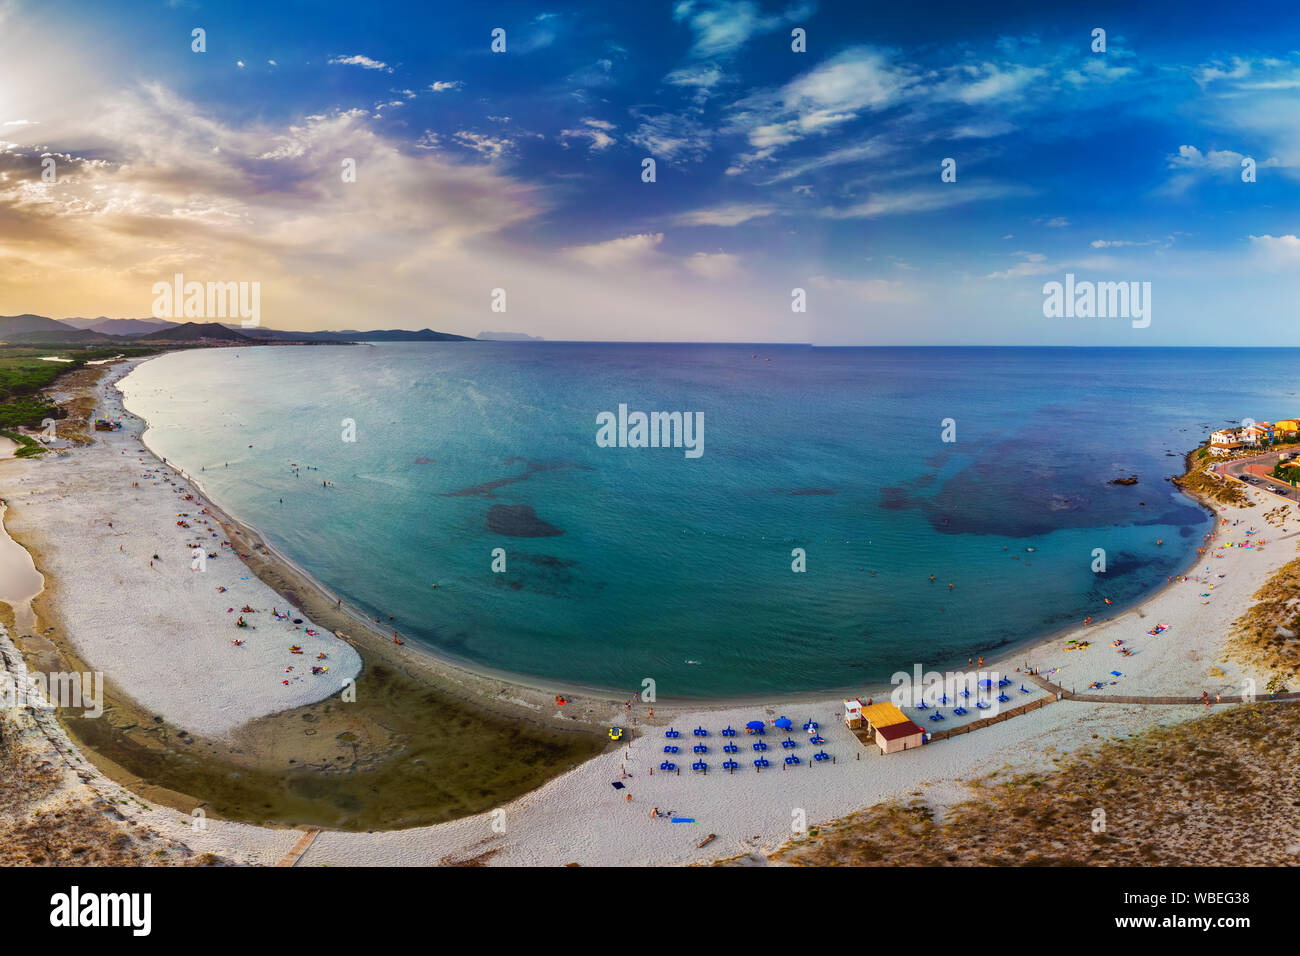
[{"x": 146, "y": 581}]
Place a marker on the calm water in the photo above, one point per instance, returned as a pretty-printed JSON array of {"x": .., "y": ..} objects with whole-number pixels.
[{"x": 680, "y": 569}]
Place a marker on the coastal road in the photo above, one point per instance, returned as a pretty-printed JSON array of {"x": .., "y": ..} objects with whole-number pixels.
[{"x": 1260, "y": 467}]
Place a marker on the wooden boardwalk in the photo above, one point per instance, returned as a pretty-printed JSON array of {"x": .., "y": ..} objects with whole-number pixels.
[
  {"x": 302, "y": 846},
  {"x": 1051, "y": 688},
  {"x": 1057, "y": 692}
]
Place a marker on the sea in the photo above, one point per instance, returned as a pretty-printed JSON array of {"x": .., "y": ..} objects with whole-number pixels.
[{"x": 853, "y": 512}]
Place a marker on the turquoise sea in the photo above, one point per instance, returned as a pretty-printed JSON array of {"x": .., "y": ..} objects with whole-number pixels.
[{"x": 647, "y": 563}]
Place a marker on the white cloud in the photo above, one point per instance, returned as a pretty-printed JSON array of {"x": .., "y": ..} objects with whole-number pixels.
[
  {"x": 671, "y": 137},
  {"x": 493, "y": 147},
  {"x": 618, "y": 252},
  {"x": 723, "y": 26},
  {"x": 594, "y": 130},
  {"x": 1057, "y": 222},
  {"x": 716, "y": 265},
  {"x": 441, "y": 86},
  {"x": 729, "y": 215},
  {"x": 1283, "y": 251},
  {"x": 922, "y": 200},
  {"x": 360, "y": 60}
]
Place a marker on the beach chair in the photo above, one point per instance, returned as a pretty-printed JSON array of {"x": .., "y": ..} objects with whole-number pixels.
[
  {"x": 670, "y": 733},
  {"x": 821, "y": 755},
  {"x": 701, "y": 749},
  {"x": 761, "y": 762},
  {"x": 700, "y": 767},
  {"x": 959, "y": 711},
  {"x": 1005, "y": 682},
  {"x": 730, "y": 749},
  {"x": 982, "y": 705},
  {"x": 936, "y": 716},
  {"x": 729, "y": 732},
  {"x": 923, "y": 705},
  {"x": 1024, "y": 689},
  {"x": 817, "y": 741},
  {"x": 811, "y": 725},
  {"x": 791, "y": 760},
  {"x": 700, "y": 732},
  {"x": 669, "y": 767},
  {"x": 789, "y": 743},
  {"x": 730, "y": 765},
  {"x": 670, "y": 749},
  {"x": 759, "y": 745},
  {"x": 1003, "y": 698}
]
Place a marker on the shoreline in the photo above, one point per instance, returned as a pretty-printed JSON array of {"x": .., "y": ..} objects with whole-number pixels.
[
  {"x": 442, "y": 664},
  {"x": 573, "y": 815}
]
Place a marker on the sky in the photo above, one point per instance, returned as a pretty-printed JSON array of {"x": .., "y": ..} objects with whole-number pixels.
[{"x": 775, "y": 169}]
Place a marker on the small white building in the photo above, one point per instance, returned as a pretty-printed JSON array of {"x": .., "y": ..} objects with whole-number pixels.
[{"x": 853, "y": 713}]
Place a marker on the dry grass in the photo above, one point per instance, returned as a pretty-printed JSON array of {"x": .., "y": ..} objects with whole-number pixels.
[
  {"x": 1222, "y": 790},
  {"x": 46, "y": 822},
  {"x": 1198, "y": 480},
  {"x": 1268, "y": 635}
]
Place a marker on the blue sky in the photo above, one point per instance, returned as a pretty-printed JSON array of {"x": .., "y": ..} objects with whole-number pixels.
[{"x": 775, "y": 169}]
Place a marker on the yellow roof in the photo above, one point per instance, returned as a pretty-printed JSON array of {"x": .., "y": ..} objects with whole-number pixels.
[
  {"x": 883, "y": 715},
  {"x": 1288, "y": 425}
]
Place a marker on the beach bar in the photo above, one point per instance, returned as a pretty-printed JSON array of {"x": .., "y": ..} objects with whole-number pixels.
[{"x": 891, "y": 728}]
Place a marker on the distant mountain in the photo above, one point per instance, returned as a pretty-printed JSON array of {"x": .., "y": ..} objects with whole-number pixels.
[
  {"x": 118, "y": 326},
  {"x": 15, "y": 324},
  {"x": 61, "y": 336},
  {"x": 351, "y": 335},
  {"x": 131, "y": 326},
  {"x": 31, "y": 329},
  {"x": 194, "y": 332},
  {"x": 509, "y": 337}
]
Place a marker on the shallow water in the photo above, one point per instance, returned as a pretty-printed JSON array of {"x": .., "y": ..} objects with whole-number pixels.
[{"x": 643, "y": 563}]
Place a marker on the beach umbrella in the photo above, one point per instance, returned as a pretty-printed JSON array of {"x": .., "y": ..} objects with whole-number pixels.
[
  {"x": 986, "y": 683},
  {"x": 755, "y": 725},
  {"x": 782, "y": 722}
]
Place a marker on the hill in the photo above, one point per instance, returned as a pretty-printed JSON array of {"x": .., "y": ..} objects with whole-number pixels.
[
  {"x": 194, "y": 332},
  {"x": 17, "y": 324},
  {"x": 63, "y": 337}
]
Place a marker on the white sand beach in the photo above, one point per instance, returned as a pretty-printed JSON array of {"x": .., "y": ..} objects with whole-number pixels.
[
  {"x": 161, "y": 630},
  {"x": 163, "y": 634}
]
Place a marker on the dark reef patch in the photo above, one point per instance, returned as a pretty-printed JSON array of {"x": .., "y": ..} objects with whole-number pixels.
[{"x": 519, "y": 521}]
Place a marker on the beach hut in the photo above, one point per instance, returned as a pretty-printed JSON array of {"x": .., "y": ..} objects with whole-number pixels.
[
  {"x": 853, "y": 713},
  {"x": 896, "y": 737},
  {"x": 891, "y": 728}
]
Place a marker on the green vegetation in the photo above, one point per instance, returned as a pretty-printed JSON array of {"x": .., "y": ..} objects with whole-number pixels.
[
  {"x": 23, "y": 374},
  {"x": 27, "y": 446}
]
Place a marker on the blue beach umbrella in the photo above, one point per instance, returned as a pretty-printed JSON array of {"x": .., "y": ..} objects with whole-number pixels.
[
  {"x": 755, "y": 725},
  {"x": 782, "y": 722}
]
